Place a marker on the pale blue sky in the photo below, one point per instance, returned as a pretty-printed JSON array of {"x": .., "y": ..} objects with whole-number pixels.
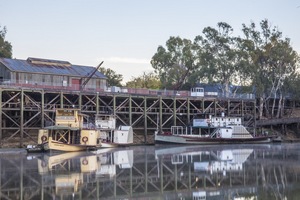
[{"x": 126, "y": 34}]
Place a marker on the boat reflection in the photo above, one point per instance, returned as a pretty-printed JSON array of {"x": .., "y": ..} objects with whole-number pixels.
[
  {"x": 72, "y": 170},
  {"x": 227, "y": 160},
  {"x": 156, "y": 172},
  {"x": 122, "y": 159},
  {"x": 212, "y": 161},
  {"x": 214, "y": 166}
]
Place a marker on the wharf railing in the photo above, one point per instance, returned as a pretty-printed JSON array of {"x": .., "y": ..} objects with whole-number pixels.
[{"x": 67, "y": 86}]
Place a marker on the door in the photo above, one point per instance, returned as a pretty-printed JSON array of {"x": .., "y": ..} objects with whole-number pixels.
[{"x": 76, "y": 84}]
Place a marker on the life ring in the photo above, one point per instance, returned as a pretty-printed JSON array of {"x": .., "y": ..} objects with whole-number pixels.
[
  {"x": 85, "y": 161},
  {"x": 84, "y": 139},
  {"x": 44, "y": 138}
]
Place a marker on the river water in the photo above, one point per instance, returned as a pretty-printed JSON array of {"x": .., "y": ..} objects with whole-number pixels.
[{"x": 265, "y": 171}]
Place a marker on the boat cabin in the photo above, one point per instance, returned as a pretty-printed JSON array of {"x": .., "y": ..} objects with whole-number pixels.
[
  {"x": 68, "y": 118},
  {"x": 105, "y": 121},
  {"x": 197, "y": 92},
  {"x": 106, "y": 124},
  {"x": 69, "y": 132},
  {"x": 217, "y": 121},
  {"x": 225, "y": 121}
]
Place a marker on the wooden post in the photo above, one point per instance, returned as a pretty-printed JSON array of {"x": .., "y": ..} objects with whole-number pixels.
[
  {"x": 43, "y": 110},
  {"x": 21, "y": 118},
  {"x": 1, "y": 119},
  {"x": 174, "y": 111},
  {"x": 145, "y": 120}
]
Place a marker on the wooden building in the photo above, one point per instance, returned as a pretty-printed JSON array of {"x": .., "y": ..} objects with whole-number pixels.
[{"x": 44, "y": 73}]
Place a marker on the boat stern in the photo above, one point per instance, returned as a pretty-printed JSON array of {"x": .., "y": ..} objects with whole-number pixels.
[
  {"x": 89, "y": 137},
  {"x": 123, "y": 135}
]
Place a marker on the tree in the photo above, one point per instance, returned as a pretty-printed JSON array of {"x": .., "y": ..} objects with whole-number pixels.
[
  {"x": 5, "y": 46},
  {"x": 218, "y": 57},
  {"x": 146, "y": 80},
  {"x": 261, "y": 61},
  {"x": 175, "y": 63},
  {"x": 113, "y": 79},
  {"x": 272, "y": 61}
]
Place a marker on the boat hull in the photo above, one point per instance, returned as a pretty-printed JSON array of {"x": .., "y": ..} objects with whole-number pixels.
[
  {"x": 113, "y": 145},
  {"x": 35, "y": 148},
  {"x": 171, "y": 139},
  {"x": 59, "y": 146}
]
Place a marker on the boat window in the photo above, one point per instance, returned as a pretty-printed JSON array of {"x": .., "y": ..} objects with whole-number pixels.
[{"x": 177, "y": 159}]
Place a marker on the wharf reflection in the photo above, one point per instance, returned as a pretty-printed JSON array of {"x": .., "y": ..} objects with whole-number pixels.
[
  {"x": 207, "y": 173},
  {"x": 156, "y": 172},
  {"x": 74, "y": 171}
]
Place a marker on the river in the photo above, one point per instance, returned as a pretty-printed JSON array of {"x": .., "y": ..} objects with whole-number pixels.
[{"x": 244, "y": 171}]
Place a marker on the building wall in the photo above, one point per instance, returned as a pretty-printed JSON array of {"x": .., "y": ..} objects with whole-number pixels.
[
  {"x": 45, "y": 73},
  {"x": 47, "y": 80},
  {"x": 4, "y": 73}
]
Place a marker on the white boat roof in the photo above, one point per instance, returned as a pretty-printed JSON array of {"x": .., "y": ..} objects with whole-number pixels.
[{"x": 62, "y": 128}]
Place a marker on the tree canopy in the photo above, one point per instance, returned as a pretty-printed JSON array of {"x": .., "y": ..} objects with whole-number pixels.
[
  {"x": 113, "y": 79},
  {"x": 218, "y": 55},
  {"x": 146, "y": 80},
  {"x": 175, "y": 63},
  {"x": 271, "y": 63},
  {"x": 5, "y": 46},
  {"x": 261, "y": 59}
]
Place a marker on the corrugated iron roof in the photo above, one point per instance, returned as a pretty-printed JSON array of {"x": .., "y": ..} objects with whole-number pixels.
[
  {"x": 46, "y": 66},
  {"x": 212, "y": 87}
]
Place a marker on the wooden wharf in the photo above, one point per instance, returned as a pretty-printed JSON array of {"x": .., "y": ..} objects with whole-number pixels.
[{"x": 25, "y": 110}]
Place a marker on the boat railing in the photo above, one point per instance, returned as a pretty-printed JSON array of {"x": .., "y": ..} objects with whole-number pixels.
[
  {"x": 88, "y": 126},
  {"x": 187, "y": 131},
  {"x": 177, "y": 130},
  {"x": 214, "y": 132}
]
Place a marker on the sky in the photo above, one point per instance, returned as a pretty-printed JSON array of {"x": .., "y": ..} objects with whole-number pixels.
[{"x": 125, "y": 34}]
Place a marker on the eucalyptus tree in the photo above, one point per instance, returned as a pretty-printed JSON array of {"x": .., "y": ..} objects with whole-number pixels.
[
  {"x": 272, "y": 61},
  {"x": 5, "y": 46},
  {"x": 113, "y": 79},
  {"x": 146, "y": 80},
  {"x": 283, "y": 61},
  {"x": 176, "y": 63},
  {"x": 219, "y": 58},
  {"x": 291, "y": 85}
]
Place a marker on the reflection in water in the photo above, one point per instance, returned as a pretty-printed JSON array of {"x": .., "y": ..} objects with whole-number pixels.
[{"x": 156, "y": 172}]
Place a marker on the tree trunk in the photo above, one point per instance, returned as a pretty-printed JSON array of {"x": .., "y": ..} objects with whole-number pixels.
[
  {"x": 266, "y": 105},
  {"x": 273, "y": 106},
  {"x": 279, "y": 111},
  {"x": 261, "y": 107}
]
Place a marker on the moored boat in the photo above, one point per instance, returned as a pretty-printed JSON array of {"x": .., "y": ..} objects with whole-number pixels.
[
  {"x": 213, "y": 130},
  {"x": 109, "y": 135},
  {"x": 69, "y": 133}
]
